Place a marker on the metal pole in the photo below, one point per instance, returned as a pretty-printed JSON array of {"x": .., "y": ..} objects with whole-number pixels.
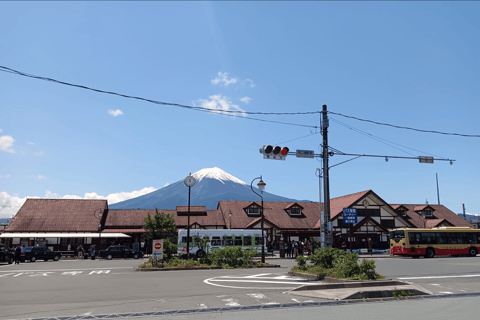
[
  {"x": 438, "y": 192},
  {"x": 320, "y": 203},
  {"x": 326, "y": 175},
  {"x": 464, "y": 217},
  {"x": 188, "y": 226},
  {"x": 263, "y": 239}
]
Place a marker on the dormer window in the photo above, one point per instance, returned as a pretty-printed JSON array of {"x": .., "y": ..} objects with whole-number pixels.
[
  {"x": 402, "y": 212},
  {"x": 253, "y": 210},
  {"x": 427, "y": 213},
  {"x": 295, "y": 211}
]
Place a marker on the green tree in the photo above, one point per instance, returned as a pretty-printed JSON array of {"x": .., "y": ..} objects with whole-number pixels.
[{"x": 162, "y": 226}]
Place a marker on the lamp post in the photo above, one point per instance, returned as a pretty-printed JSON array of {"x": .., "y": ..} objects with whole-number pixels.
[
  {"x": 261, "y": 186},
  {"x": 189, "y": 182},
  {"x": 99, "y": 217}
]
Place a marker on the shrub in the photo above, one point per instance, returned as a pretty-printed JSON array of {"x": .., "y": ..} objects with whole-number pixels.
[
  {"x": 367, "y": 267},
  {"x": 169, "y": 249},
  {"x": 301, "y": 262}
]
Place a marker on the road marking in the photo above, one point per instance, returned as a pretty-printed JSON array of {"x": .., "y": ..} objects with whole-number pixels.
[
  {"x": 68, "y": 269},
  {"x": 230, "y": 302},
  {"x": 71, "y": 273},
  {"x": 99, "y": 272},
  {"x": 4, "y": 275},
  {"x": 18, "y": 275},
  {"x": 441, "y": 277},
  {"x": 446, "y": 292},
  {"x": 259, "y": 278},
  {"x": 203, "y": 306}
]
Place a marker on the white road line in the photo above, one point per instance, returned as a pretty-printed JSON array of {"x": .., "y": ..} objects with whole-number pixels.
[
  {"x": 446, "y": 292},
  {"x": 258, "y": 275},
  {"x": 441, "y": 277},
  {"x": 260, "y": 281},
  {"x": 69, "y": 269}
]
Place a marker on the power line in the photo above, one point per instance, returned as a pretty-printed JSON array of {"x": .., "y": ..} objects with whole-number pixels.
[
  {"x": 308, "y": 135},
  {"x": 371, "y": 136},
  {"x": 408, "y": 128},
  {"x": 9, "y": 70}
]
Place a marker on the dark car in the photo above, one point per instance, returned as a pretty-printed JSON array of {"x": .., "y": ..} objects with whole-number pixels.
[
  {"x": 5, "y": 254},
  {"x": 33, "y": 254},
  {"x": 120, "y": 252}
]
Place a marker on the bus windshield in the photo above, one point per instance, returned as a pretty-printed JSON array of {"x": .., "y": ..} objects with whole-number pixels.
[{"x": 397, "y": 235}]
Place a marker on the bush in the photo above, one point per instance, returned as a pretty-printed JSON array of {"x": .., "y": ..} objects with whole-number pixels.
[
  {"x": 301, "y": 262},
  {"x": 347, "y": 264},
  {"x": 169, "y": 249},
  {"x": 367, "y": 267}
]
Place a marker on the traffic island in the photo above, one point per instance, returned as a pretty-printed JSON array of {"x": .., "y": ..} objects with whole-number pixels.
[
  {"x": 205, "y": 268},
  {"x": 360, "y": 290}
]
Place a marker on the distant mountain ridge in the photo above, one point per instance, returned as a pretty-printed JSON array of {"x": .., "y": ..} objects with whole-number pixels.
[{"x": 212, "y": 185}]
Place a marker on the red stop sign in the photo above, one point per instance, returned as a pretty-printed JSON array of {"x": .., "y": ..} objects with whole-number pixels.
[{"x": 158, "y": 246}]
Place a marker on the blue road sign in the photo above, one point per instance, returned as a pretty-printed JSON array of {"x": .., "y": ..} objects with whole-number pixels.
[
  {"x": 349, "y": 215},
  {"x": 305, "y": 154}
]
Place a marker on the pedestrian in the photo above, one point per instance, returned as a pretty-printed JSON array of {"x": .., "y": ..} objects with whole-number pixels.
[
  {"x": 92, "y": 251},
  {"x": 309, "y": 247},
  {"x": 80, "y": 251},
  {"x": 18, "y": 252},
  {"x": 344, "y": 246},
  {"x": 295, "y": 249},
  {"x": 69, "y": 247},
  {"x": 75, "y": 252},
  {"x": 289, "y": 249}
]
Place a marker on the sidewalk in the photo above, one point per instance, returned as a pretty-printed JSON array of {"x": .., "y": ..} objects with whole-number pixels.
[{"x": 276, "y": 255}]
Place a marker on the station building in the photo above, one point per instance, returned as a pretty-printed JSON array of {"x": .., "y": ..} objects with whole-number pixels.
[{"x": 59, "y": 222}]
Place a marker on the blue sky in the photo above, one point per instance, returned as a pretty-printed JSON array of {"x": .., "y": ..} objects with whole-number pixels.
[{"x": 411, "y": 64}]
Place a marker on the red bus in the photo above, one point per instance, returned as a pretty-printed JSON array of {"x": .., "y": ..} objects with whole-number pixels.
[{"x": 441, "y": 241}]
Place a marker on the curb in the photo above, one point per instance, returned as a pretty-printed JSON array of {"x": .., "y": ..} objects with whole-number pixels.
[
  {"x": 200, "y": 268},
  {"x": 356, "y": 284},
  {"x": 313, "y": 277}
]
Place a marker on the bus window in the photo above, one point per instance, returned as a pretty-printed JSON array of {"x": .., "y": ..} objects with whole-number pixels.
[
  {"x": 184, "y": 239},
  {"x": 451, "y": 238},
  {"x": 258, "y": 241},
  {"x": 461, "y": 238},
  {"x": 411, "y": 237},
  {"x": 471, "y": 238},
  {"x": 238, "y": 241},
  {"x": 441, "y": 238},
  {"x": 216, "y": 241},
  {"x": 247, "y": 241},
  {"x": 428, "y": 238},
  {"x": 397, "y": 235},
  {"x": 227, "y": 241}
]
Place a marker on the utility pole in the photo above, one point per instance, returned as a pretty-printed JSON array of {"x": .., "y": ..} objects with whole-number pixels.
[
  {"x": 464, "y": 217},
  {"x": 327, "y": 232},
  {"x": 438, "y": 192}
]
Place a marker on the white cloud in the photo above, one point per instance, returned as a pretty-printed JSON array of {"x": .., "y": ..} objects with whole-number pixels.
[
  {"x": 9, "y": 205},
  {"x": 246, "y": 99},
  {"x": 248, "y": 82},
  {"x": 31, "y": 143},
  {"x": 39, "y": 153},
  {"x": 115, "y": 112},
  {"x": 222, "y": 79},
  {"x": 220, "y": 103},
  {"x": 5, "y": 176},
  {"x": 1, "y": 130},
  {"x": 39, "y": 177},
  {"x": 5, "y": 144}
]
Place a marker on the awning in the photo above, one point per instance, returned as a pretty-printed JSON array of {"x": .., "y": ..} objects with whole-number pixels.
[{"x": 63, "y": 235}]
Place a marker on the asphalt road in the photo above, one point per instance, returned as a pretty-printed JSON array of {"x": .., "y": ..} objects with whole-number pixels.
[{"x": 74, "y": 288}]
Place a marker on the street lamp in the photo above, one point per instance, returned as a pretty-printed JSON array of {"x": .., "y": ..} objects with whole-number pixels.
[
  {"x": 261, "y": 186},
  {"x": 98, "y": 214}
]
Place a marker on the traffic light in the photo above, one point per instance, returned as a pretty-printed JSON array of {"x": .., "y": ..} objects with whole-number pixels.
[{"x": 274, "y": 152}]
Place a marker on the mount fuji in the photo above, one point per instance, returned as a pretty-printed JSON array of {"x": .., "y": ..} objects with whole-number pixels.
[{"x": 212, "y": 185}]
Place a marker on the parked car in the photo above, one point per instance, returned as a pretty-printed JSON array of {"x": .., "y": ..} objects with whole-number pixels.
[
  {"x": 120, "y": 252},
  {"x": 5, "y": 254},
  {"x": 33, "y": 254}
]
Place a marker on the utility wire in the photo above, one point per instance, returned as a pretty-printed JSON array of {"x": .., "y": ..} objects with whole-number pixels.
[
  {"x": 408, "y": 128},
  {"x": 9, "y": 70},
  {"x": 308, "y": 135}
]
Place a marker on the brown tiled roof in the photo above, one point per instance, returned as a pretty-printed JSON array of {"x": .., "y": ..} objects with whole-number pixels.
[
  {"x": 294, "y": 204},
  {"x": 57, "y": 215},
  {"x": 273, "y": 211},
  {"x": 422, "y": 207},
  {"x": 124, "y": 231},
  {"x": 192, "y": 209},
  {"x": 440, "y": 212},
  {"x": 432, "y": 223},
  {"x": 135, "y": 218},
  {"x": 337, "y": 204}
]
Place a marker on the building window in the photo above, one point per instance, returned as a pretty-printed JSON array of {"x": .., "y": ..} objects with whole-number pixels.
[
  {"x": 402, "y": 212},
  {"x": 342, "y": 225},
  {"x": 427, "y": 213},
  {"x": 388, "y": 223},
  {"x": 295, "y": 211},
  {"x": 253, "y": 210},
  {"x": 368, "y": 212}
]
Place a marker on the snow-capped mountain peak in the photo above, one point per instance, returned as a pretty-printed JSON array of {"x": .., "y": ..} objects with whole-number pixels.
[{"x": 216, "y": 173}]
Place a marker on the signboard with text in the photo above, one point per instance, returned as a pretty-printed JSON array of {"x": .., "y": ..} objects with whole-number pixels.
[
  {"x": 157, "y": 249},
  {"x": 350, "y": 215},
  {"x": 305, "y": 154}
]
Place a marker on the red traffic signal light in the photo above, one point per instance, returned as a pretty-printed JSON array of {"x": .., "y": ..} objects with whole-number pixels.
[{"x": 274, "y": 152}]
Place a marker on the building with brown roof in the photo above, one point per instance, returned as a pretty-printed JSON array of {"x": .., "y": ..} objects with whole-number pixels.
[{"x": 290, "y": 220}]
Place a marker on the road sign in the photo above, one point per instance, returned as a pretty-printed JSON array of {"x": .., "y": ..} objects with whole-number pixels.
[
  {"x": 157, "y": 249},
  {"x": 349, "y": 215},
  {"x": 304, "y": 154}
]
